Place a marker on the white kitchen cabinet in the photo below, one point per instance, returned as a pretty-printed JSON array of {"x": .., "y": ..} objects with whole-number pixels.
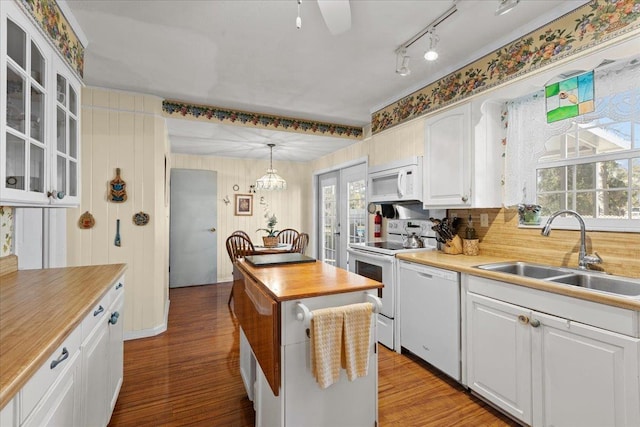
[
  {"x": 39, "y": 117},
  {"x": 116, "y": 344},
  {"x": 8, "y": 414},
  {"x": 102, "y": 356},
  {"x": 548, "y": 370},
  {"x": 499, "y": 355},
  {"x": 95, "y": 365},
  {"x": 462, "y": 158},
  {"x": 53, "y": 395},
  {"x": 583, "y": 375}
]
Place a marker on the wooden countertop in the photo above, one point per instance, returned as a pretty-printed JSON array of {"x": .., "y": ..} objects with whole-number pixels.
[
  {"x": 306, "y": 280},
  {"x": 466, "y": 264},
  {"x": 38, "y": 310}
]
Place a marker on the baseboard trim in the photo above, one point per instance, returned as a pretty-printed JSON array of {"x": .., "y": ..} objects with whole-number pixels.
[{"x": 146, "y": 333}]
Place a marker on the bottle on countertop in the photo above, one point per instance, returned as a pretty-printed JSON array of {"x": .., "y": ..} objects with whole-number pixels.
[{"x": 470, "y": 232}]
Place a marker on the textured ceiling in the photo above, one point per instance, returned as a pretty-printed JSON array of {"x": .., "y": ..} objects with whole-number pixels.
[{"x": 249, "y": 55}]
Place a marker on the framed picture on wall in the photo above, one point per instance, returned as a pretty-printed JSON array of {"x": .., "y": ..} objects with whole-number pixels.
[{"x": 244, "y": 204}]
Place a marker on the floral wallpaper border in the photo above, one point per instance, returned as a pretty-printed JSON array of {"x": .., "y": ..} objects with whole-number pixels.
[
  {"x": 585, "y": 27},
  {"x": 48, "y": 15},
  {"x": 265, "y": 121},
  {"x": 6, "y": 231}
]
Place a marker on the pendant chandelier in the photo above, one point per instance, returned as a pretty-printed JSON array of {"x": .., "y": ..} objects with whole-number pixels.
[{"x": 271, "y": 180}]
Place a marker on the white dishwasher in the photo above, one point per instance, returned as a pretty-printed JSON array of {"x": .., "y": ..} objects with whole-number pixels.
[{"x": 430, "y": 315}]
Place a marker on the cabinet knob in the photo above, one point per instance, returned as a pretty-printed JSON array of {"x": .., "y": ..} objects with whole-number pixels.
[
  {"x": 56, "y": 194},
  {"x": 534, "y": 322},
  {"x": 119, "y": 285},
  {"x": 114, "y": 318},
  {"x": 523, "y": 319},
  {"x": 465, "y": 198}
]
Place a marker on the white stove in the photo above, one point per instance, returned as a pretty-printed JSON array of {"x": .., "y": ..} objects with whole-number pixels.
[
  {"x": 376, "y": 260},
  {"x": 396, "y": 230}
]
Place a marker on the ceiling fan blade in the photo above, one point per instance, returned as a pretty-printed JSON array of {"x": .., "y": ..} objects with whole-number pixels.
[{"x": 336, "y": 15}]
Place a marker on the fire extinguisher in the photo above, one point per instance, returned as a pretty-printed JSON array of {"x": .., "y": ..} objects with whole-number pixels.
[{"x": 377, "y": 229}]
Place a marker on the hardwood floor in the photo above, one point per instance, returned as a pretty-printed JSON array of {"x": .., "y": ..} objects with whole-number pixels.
[{"x": 189, "y": 376}]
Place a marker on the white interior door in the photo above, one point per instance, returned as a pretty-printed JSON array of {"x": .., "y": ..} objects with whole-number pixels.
[{"x": 192, "y": 235}]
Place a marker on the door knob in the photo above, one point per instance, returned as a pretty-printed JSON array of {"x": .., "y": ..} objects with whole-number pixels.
[{"x": 212, "y": 229}]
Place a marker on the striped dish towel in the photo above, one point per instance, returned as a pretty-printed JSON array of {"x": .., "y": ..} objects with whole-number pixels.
[{"x": 326, "y": 345}]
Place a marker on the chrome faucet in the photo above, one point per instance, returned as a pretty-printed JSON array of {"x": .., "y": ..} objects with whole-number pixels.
[{"x": 584, "y": 260}]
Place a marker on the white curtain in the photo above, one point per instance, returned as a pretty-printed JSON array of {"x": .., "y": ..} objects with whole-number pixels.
[{"x": 528, "y": 130}]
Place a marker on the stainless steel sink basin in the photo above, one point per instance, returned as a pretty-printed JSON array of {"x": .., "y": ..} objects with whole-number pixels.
[
  {"x": 526, "y": 269},
  {"x": 611, "y": 284},
  {"x": 596, "y": 281}
]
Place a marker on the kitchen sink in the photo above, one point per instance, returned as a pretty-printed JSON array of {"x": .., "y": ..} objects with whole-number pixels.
[
  {"x": 597, "y": 281},
  {"x": 526, "y": 269},
  {"x": 611, "y": 284}
]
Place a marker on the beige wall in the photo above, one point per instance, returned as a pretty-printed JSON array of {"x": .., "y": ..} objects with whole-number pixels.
[
  {"x": 126, "y": 131},
  {"x": 292, "y": 207}
]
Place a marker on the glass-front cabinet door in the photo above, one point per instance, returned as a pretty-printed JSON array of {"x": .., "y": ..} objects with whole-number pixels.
[
  {"x": 39, "y": 151},
  {"x": 66, "y": 163}
]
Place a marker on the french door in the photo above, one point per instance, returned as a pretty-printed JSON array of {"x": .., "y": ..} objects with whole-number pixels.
[{"x": 342, "y": 211}]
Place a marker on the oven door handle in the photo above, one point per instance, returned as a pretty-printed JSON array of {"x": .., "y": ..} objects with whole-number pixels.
[{"x": 369, "y": 255}]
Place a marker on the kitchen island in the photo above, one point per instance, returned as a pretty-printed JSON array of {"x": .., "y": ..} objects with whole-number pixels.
[{"x": 274, "y": 344}]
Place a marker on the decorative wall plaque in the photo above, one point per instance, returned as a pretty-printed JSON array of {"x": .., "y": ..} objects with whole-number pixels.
[
  {"x": 117, "y": 191},
  {"x": 86, "y": 220},
  {"x": 141, "y": 218}
]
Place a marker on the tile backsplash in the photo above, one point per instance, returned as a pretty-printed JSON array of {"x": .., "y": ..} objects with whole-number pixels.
[{"x": 6, "y": 231}]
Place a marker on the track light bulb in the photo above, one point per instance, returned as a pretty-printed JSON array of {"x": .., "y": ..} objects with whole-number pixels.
[{"x": 432, "y": 54}]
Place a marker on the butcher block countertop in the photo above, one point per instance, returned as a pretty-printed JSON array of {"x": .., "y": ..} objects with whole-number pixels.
[
  {"x": 38, "y": 310},
  {"x": 466, "y": 264},
  {"x": 306, "y": 280}
]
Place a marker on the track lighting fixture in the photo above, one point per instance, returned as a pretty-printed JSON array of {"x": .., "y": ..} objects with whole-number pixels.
[
  {"x": 506, "y": 6},
  {"x": 403, "y": 68},
  {"x": 432, "y": 53},
  {"x": 298, "y": 19}
]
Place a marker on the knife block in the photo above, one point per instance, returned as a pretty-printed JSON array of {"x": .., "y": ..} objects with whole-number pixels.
[{"x": 453, "y": 246}]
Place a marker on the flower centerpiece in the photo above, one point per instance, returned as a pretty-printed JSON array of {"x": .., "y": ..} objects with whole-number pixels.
[{"x": 270, "y": 240}]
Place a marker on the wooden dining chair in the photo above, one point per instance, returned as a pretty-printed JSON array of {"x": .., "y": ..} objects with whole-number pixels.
[
  {"x": 287, "y": 236},
  {"x": 238, "y": 246},
  {"x": 241, "y": 233},
  {"x": 300, "y": 244}
]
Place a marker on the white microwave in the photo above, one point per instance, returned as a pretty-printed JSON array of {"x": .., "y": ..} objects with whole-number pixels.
[{"x": 396, "y": 181}]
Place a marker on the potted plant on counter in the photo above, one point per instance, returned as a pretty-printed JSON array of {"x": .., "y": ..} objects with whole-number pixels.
[{"x": 270, "y": 240}]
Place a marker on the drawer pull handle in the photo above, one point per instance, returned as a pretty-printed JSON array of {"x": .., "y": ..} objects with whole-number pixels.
[
  {"x": 114, "y": 318},
  {"x": 119, "y": 285},
  {"x": 62, "y": 358},
  {"x": 98, "y": 311}
]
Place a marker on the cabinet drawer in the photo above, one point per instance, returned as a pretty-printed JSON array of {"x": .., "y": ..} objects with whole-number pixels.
[
  {"x": 116, "y": 289},
  {"x": 55, "y": 366},
  {"x": 95, "y": 315}
]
